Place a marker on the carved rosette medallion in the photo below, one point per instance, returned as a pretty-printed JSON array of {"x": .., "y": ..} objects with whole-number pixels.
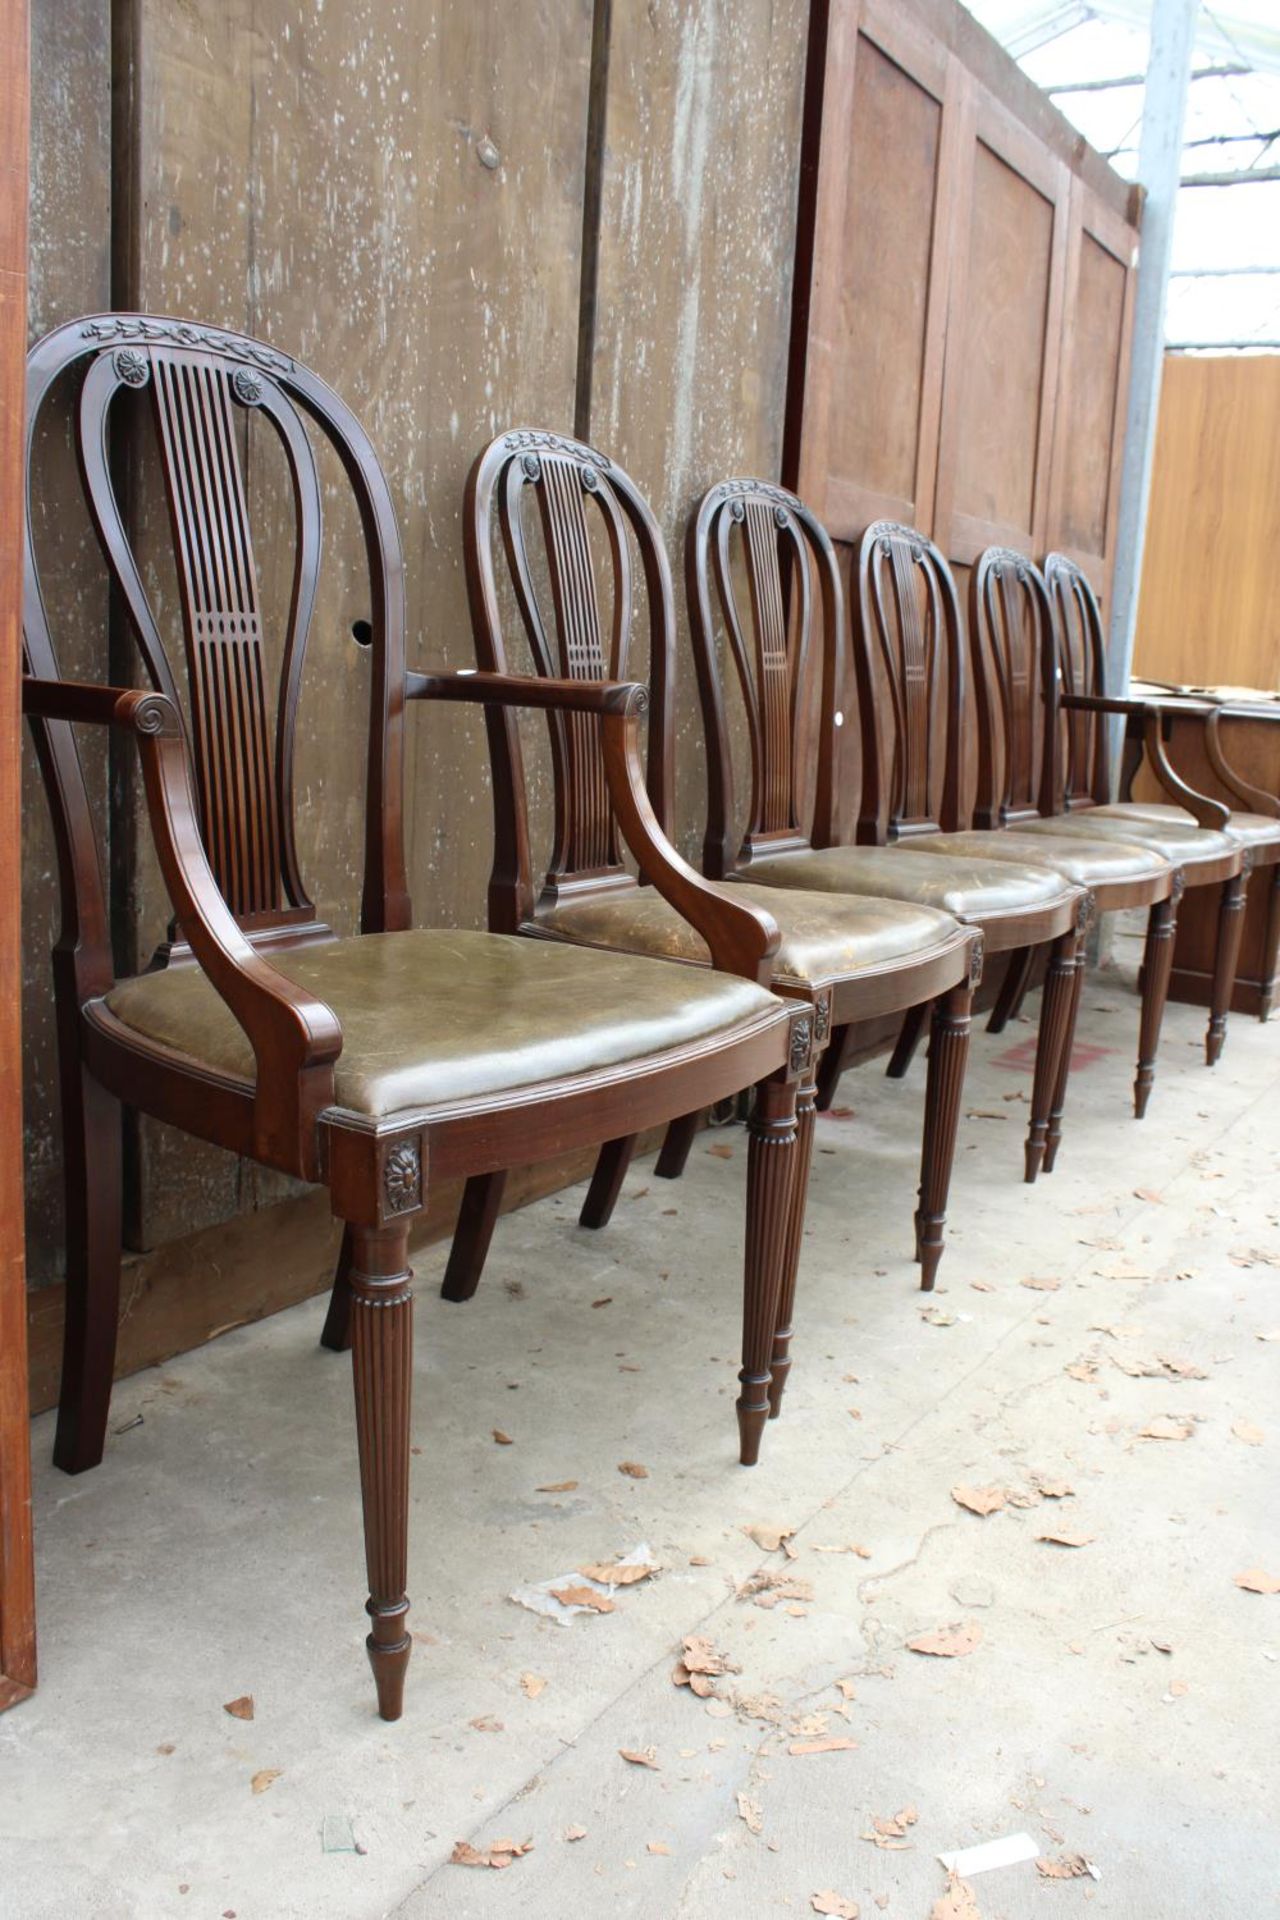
[
  {"x": 801, "y": 1040},
  {"x": 246, "y": 387},
  {"x": 402, "y": 1178},
  {"x": 131, "y": 367},
  {"x": 822, "y": 1020}
]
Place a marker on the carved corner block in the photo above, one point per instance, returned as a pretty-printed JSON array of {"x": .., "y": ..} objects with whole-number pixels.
[{"x": 376, "y": 1178}]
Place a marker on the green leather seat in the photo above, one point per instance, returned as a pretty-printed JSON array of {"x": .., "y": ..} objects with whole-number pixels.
[
  {"x": 1086, "y": 863},
  {"x": 969, "y": 889},
  {"x": 823, "y": 939},
  {"x": 1253, "y": 829},
  {"x": 431, "y": 1016},
  {"x": 1185, "y": 845}
]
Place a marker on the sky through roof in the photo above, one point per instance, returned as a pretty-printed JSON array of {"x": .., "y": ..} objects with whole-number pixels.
[{"x": 1225, "y": 285}]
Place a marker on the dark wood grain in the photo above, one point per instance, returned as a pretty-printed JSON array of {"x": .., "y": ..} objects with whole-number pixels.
[{"x": 17, "y": 1580}]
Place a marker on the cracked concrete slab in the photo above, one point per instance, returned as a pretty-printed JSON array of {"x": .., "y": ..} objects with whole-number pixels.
[{"x": 1120, "y": 1702}]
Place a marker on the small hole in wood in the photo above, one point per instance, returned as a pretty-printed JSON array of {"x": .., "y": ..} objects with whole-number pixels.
[{"x": 362, "y": 633}]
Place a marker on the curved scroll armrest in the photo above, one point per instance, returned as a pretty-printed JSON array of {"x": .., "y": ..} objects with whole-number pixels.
[
  {"x": 742, "y": 939},
  {"x": 524, "y": 690},
  {"x": 295, "y": 1037},
  {"x": 1206, "y": 812},
  {"x": 1255, "y": 798}
]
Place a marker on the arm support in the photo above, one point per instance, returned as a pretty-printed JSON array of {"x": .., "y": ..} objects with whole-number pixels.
[
  {"x": 1255, "y": 798},
  {"x": 525, "y": 690},
  {"x": 295, "y": 1038},
  {"x": 742, "y": 939},
  {"x": 1141, "y": 715}
]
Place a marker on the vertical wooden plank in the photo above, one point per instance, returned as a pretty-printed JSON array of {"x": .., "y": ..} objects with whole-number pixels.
[
  {"x": 17, "y": 1582},
  {"x": 395, "y": 195},
  {"x": 69, "y": 274},
  {"x": 1004, "y": 339},
  {"x": 1208, "y": 606},
  {"x": 698, "y": 206},
  {"x": 873, "y": 265},
  {"x": 1093, "y": 387}
]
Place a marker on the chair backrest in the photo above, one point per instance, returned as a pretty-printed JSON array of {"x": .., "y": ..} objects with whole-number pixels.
[
  {"x": 205, "y": 388},
  {"x": 908, "y": 654},
  {"x": 775, "y": 573},
  {"x": 1011, "y": 636},
  {"x": 1084, "y": 758},
  {"x": 575, "y": 488}
]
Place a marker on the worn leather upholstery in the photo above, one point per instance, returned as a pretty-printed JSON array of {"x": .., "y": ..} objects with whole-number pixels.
[
  {"x": 1252, "y": 829},
  {"x": 1086, "y": 863},
  {"x": 970, "y": 889},
  {"x": 823, "y": 939},
  {"x": 430, "y": 1016},
  {"x": 1184, "y": 846}
]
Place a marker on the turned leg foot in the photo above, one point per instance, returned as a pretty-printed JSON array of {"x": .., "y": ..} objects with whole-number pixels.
[
  {"x": 1225, "y": 960},
  {"x": 948, "y": 1056},
  {"x": 91, "y": 1158},
  {"x": 1157, "y": 964},
  {"x": 772, "y": 1171},
  {"x": 606, "y": 1182},
  {"x": 1055, "y": 1016},
  {"x": 382, "y": 1369}
]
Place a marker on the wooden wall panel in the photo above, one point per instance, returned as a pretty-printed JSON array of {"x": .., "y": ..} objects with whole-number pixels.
[
  {"x": 697, "y": 238},
  {"x": 17, "y": 1582},
  {"x": 70, "y": 273},
  {"x": 882, "y": 248},
  {"x": 380, "y": 194},
  {"x": 963, "y": 289},
  {"x": 1207, "y": 611},
  {"x": 1003, "y": 338},
  {"x": 1085, "y": 496}
]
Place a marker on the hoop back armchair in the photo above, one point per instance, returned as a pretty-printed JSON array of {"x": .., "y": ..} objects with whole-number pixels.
[{"x": 367, "y": 1063}]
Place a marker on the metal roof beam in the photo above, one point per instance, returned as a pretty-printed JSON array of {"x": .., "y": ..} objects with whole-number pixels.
[
  {"x": 1140, "y": 80},
  {"x": 1246, "y": 176}
]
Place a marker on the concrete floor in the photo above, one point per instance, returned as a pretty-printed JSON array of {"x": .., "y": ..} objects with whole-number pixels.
[{"x": 1123, "y": 1702}]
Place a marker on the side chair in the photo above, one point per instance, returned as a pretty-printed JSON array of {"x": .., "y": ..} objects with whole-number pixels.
[
  {"x": 368, "y": 1063},
  {"x": 792, "y": 581},
  {"x": 544, "y": 496}
]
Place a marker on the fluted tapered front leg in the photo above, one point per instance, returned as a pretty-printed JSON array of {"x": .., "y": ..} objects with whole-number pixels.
[
  {"x": 948, "y": 1057},
  {"x": 1157, "y": 964},
  {"x": 1053, "y": 1139},
  {"x": 382, "y": 1367},
  {"x": 772, "y": 1166},
  {"x": 1226, "y": 958},
  {"x": 1052, "y": 1047},
  {"x": 780, "y": 1365}
]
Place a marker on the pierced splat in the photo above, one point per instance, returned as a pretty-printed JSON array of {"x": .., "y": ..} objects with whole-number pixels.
[
  {"x": 1081, "y": 658},
  {"x": 198, "y": 385},
  {"x": 1011, "y": 634},
  {"x": 551, "y": 494},
  {"x": 748, "y": 530},
  {"x": 907, "y": 649}
]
